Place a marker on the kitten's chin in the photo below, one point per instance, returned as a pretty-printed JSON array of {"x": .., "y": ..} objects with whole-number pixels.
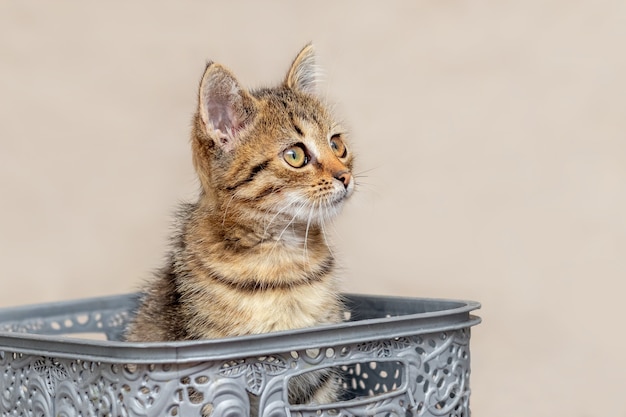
[
  {"x": 326, "y": 209},
  {"x": 308, "y": 210}
]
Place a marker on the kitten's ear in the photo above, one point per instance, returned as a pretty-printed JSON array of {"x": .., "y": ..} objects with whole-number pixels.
[
  {"x": 224, "y": 106},
  {"x": 303, "y": 74}
]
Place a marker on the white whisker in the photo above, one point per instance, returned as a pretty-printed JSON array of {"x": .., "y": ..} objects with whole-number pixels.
[
  {"x": 306, "y": 234},
  {"x": 324, "y": 215},
  {"x": 359, "y": 174},
  {"x": 228, "y": 205},
  {"x": 291, "y": 222},
  {"x": 278, "y": 212}
]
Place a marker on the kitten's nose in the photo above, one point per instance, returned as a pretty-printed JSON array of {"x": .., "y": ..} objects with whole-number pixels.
[{"x": 344, "y": 177}]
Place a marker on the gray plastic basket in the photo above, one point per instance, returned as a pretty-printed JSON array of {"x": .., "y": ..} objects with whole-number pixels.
[{"x": 397, "y": 356}]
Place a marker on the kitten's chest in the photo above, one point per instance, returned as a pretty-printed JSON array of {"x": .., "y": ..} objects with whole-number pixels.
[
  {"x": 267, "y": 311},
  {"x": 290, "y": 310}
]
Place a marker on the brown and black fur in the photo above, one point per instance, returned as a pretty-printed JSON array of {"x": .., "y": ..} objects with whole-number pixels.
[{"x": 250, "y": 256}]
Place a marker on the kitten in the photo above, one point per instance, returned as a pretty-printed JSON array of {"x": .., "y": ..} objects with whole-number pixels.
[{"x": 250, "y": 256}]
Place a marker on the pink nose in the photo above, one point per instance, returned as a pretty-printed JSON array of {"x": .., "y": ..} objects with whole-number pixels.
[{"x": 344, "y": 177}]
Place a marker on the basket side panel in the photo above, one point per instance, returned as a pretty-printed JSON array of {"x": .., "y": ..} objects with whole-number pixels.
[
  {"x": 42, "y": 386},
  {"x": 425, "y": 375}
]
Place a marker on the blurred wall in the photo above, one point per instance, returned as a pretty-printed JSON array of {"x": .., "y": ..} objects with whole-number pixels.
[{"x": 492, "y": 135}]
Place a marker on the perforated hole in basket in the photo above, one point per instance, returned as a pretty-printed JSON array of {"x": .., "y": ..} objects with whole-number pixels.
[
  {"x": 358, "y": 380},
  {"x": 371, "y": 378}
]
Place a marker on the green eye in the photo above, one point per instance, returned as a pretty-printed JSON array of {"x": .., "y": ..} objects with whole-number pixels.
[
  {"x": 296, "y": 156},
  {"x": 338, "y": 147}
]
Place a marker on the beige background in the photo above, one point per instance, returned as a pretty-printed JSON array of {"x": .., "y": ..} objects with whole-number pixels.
[{"x": 492, "y": 134}]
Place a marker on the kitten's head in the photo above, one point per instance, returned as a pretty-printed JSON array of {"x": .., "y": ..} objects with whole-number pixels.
[{"x": 273, "y": 154}]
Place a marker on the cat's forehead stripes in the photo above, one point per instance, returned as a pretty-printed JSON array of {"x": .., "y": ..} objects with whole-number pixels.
[
  {"x": 297, "y": 128},
  {"x": 295, "y": 106},
  {"x": 315, "y": 137}
]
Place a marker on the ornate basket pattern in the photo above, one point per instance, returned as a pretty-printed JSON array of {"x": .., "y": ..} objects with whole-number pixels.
[{"x": 395, "y": 357}]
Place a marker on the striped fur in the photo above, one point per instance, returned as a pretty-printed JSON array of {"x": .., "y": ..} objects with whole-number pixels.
[{"x": 250, "y": 256}]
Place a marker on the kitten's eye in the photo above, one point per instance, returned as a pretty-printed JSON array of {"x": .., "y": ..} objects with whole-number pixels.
[
  {"x": 296, "y": 156},
  {"x": 338, "y": 147}
]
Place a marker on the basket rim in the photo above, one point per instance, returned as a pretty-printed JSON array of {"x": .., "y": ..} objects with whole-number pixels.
[{"x": 456, "y": 317}]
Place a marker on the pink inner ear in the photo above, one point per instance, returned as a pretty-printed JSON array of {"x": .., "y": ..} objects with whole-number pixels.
[
  {"x": 220, "y": 116},
  {"x": 223, "y": 121}
]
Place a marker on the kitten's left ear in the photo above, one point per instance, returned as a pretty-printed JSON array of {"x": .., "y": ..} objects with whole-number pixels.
[{"x": 303, "y": 74}]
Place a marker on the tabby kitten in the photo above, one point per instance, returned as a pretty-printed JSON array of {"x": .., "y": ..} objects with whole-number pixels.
[{"x": 250, "y": 256}]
